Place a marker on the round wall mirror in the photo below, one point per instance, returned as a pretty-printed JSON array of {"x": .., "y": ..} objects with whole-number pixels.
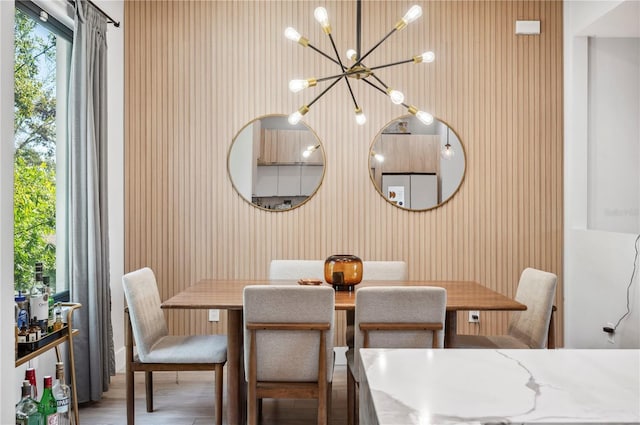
[
  {"x": 414, "y": 166},
  {"x": 274, "y": 165}
]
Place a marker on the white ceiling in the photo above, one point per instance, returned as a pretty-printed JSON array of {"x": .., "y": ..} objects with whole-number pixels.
[{"x": 622, "y": 21}]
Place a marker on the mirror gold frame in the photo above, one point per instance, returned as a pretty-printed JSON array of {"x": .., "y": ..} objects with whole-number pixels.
[
  {"x": 406, "y": 151},
  {"x": 268, "y": 153}
]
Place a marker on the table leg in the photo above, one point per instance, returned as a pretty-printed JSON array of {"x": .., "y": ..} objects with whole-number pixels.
[
  {"x": 450, "y": 328},
  {"x": 235, "y": 369}
]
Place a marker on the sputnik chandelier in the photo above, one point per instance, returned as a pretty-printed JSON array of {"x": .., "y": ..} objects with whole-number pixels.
[{"x": 358, "y": 70}]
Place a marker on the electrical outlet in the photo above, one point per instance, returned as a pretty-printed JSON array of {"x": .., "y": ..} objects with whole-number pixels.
[
  {"x": 612, "y": 336},
  {"x": 474, "y": 316},
  {"x": 214, "y": 315}
]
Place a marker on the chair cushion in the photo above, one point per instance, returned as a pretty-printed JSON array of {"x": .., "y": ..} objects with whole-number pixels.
[
  {"x": 296, "y": 269},
  {"x": 494, "y": 341},
  {"x": 147, "y": 320},
  {"x": 288, "y": 355},
  {"x": 536, "y": 290},
  {"x": 188, "y": 349},
  {"x": 384, "y": 270}
]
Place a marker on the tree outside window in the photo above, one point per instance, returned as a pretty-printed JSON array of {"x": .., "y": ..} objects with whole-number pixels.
[{"x": 36, "y": 67}]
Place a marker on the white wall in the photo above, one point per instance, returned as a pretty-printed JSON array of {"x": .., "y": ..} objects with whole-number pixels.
[
  {"x": 597, "y": 265},
  {"x": 7, "y": 360},
  {"x": 614, "y": 134},
  {"x": 115, "y": 73}
]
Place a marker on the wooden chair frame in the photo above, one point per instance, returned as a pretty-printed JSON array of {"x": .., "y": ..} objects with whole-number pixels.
[
  {"x": 320, "y": 389},
  {"x": 366, "y": 327},
  {"x": 133, "y": 366}
]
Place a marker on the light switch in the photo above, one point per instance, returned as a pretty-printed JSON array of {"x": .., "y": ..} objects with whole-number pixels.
[{"x": 527, "y": 27}]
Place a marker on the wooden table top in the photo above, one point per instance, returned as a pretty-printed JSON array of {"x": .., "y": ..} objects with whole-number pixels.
[{"x": 227, "y": 295}]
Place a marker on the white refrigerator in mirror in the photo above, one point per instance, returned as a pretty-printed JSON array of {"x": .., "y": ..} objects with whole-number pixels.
[{"x": 413, "y": 190}]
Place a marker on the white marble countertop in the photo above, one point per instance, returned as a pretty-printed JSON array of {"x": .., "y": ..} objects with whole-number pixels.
[{"x": 422, "y": 386}]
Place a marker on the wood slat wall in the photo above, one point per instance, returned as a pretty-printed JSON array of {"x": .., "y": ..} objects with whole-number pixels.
[{"x": 197, "y": 72}]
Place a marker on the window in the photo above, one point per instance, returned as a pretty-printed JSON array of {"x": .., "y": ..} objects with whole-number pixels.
[{"x": 42, "y": 63}]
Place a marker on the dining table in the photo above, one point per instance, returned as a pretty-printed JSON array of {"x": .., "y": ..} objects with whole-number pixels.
[{"x": 227, "y": 294}]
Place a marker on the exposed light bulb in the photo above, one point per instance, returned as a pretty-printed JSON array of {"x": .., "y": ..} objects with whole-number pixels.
[
  {"x": 311, "y": 147},
  {"x": 447, "y": 152},
  {"x": 396, "y": 96},
  {"x": 297, "y": 115},
  {"x": 295, "y": 118},
  {"x": 361, "y": 118},
  {"x": 428, "y": 57},
  {"x": 306, "y": 153},
  {"x": 298, "y": 85},
  {"x": 379, "y": 157},
  {"x": 352, "y": 54},
  {"x": 292, "y": 34},
  {"x": 412, "y": 14},
  {"x": 321, "y": 16},
  {"x": 424, "y": 117}
]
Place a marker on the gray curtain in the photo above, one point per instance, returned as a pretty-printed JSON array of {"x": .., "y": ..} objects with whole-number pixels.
[{"x": 87, "y": 220}]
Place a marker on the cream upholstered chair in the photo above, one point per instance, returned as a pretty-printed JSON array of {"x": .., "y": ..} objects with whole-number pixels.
[
  {"x": 384, "y": 270},
  {"x": 296, "y": 269},
  {"x": 528, "y": 328},
  {"x": 371, "y": 270},
  {"x": 156, "y": 349},
  {"x": 394, "y": 317},
  {"x": 288, "y": 348},
  {"x": 376, "y": 270}
]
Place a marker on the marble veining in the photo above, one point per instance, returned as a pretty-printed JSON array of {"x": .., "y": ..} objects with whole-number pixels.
[{"x": 415, "y": 386}]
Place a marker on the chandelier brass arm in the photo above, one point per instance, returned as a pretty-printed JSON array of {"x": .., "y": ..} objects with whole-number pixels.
[{"x": 357, "y": 70}]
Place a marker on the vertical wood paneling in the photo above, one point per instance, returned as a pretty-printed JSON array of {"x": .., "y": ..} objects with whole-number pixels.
[{"x": 198, "y": 71}]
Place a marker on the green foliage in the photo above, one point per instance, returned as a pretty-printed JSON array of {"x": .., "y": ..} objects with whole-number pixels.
[
  {"x": 35, "y": 133},
  {"x": 35, "y": 219}
]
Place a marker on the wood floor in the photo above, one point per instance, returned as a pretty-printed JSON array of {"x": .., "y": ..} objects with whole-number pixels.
[{"x": 187, "y": 399}]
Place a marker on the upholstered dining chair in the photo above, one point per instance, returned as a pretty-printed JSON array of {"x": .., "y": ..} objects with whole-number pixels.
[
  {"x": 393, "y": 317},
  {"x": 528, "y": 328},
  {"x": 296, "y": 269},
  {"x": 384, "y": 270},
  {"x": 288, "y": 350},
  {"x": 145, "y": 325},
  {"x": 371, "y": 270}
]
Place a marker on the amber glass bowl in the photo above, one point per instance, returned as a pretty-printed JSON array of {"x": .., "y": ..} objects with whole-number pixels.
[{"x": 343, "y": 271}]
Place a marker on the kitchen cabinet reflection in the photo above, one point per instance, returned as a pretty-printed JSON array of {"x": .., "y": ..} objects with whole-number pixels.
[
  {"x": 414, "y": 166},
  {"x": 274, "y": 165}
]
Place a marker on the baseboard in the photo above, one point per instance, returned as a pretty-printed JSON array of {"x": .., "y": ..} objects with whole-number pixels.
[{"x": 341, "y": 355}]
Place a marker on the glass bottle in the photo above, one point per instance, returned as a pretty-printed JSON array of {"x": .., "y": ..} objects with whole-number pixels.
[
  {"x": 51, "y": 302},
  {"x": 27, "y": 408},
  {"x": 23, "y": 334},
  {"x": 35, "y": 332},
  {"x": 57, "y": 325},
  {"x": 62, "y": 394},
  {"x": 30, "y": 375},
  {"x": 38, "y": 299},
  {"x": 48, "y": 406}
]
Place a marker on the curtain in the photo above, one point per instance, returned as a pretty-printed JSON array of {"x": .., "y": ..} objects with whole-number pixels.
[{"x": 87, "y": 219}]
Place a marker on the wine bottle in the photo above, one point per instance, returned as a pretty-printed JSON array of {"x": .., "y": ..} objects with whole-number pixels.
[
  {"x": 30, "y": 375},
  {"x": 48, "y": 406},
  {"x": 62, "y": 394},
  {"x": 27, "y": 408}
]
